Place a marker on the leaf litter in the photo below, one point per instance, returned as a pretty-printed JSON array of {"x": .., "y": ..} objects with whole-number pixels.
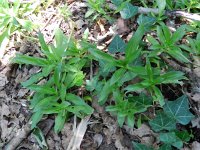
[{"x": 14, "y": 102}]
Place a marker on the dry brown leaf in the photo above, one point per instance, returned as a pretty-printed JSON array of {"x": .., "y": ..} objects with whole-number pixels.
[
  {"x": 121, "y": 26},
  {"x": 195, "y": 145},
  {"x": 98, "y": 138}
]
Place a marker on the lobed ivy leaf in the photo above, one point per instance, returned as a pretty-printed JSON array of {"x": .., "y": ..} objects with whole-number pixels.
[
  {"x": 179, "y": 110},
  {"x": 172, "y": 139},
  {"x": 139, "y": 146},
  {"x": 162, "y": 122},
  {"x": 128, "y": 11},
  {"x": 146, "y": 21},
  {"x": 117, "y": 45}
]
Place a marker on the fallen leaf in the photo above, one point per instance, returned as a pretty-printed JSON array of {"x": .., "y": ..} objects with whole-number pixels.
[
  {"x": 195, "y": 145},
  {"x": 98, "y": 138},
  {"x": 121, "y": 26}
]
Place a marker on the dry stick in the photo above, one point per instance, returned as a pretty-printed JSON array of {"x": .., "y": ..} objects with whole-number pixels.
[
  {"x": 19, "y": 137},
  {"x": 178, "y": 13}
]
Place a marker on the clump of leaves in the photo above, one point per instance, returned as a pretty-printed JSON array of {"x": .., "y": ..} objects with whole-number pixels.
[
  {"x": 117, "y": 75},
  {"x": 62, "y": 69},
  {"x": 174, "y": 112},
  {"x": 11, "y": 20},
  {"x": 97, "y": 8},
  {"x": 167, "y": 43},
  {"x": 126, "y": 9}
]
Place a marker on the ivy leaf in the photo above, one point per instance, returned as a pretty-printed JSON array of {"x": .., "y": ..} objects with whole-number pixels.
[
  {"x": 162, "y": 122},
  {"x": 183, "y": 135},
  {"x": 128, "y": 11},
  {"x": 146, "y": 20},
  {"x": 171, "y": 138},
  {"x": 117, "y": 45},
  {"x": 179, "y": 110},
  {"x": 139, "y": 146}
]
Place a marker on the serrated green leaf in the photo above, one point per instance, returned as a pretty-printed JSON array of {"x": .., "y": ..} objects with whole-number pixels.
[
  {"x": 23, "y": 59},
  {"x": 177, "y": 53},
  {"x": 132, "y": 52},
  {"x": 130, "y": 121},
  {"x": 42, "y": 42},
  {"x": 117, "y": 45},
  {"x": 35, "y": 118},
  {"x": 178, "y": 34},
  {"x": 42, "y": 89},
  {"x": 39, "y": 137},
  {"x": 161, "y": 35},
  {"x": 161, "y": 5},
  {"x": 120, "y": 118},
  {"x": 179, "y": 110},
  {"x": 171, "y": 77},
  {"x": 107, "y": 89},
  {"x": 126, "y": 77},
  {"x": 60, "y": 121},
  {"x": 117, "y": 76},
  {"x": 77, "y": 101},
  {"x": 162, "y": 122},
  {"x": 158, "y": 96},
  {"x": 45, "y": 102},
  {"x": 26, "y": 24},
  {"x": 102, "y": 56}
]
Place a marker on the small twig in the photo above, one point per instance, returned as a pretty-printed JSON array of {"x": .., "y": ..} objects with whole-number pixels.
[
  {"x": 178, "y": 13},
  {"x": 175, "y": 65}
]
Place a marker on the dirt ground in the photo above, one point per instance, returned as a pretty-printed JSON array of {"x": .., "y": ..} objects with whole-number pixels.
[{"x": 103, "y": 132}]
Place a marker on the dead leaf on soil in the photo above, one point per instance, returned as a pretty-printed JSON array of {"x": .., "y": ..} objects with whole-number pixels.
[
  {"x": 122, "y": 28},
  {"x": 195, "y": 145}
]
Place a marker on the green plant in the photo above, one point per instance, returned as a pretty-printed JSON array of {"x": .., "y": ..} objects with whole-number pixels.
[
  {"x": 174, "y": 112},
  {"x": 167, "y": 43},
  {"x": 127, "y": 108},
  {"x": 126, "y": 9},
  {"x": 97, "y": 8},
  {"x": 11, "y": 15},
  {"x": 193, "y": 45},
  {"x": 116, "y": 75},
  {"x": 165, "y": 124},
  {"x": 62, "y": 68},
  {"x": 187, "y": 4}
]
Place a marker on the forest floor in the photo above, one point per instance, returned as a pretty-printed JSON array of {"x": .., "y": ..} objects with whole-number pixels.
[{"x": 103, "y": 131}]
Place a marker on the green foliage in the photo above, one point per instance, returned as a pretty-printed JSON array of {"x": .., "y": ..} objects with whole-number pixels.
[
  {"x": 97, "y": 8},
  {"x": 117, "y": 45},
  {"x": 174, "y": 112},
  {"x": 179, "y": 110},
  {"x": 62, "y": 68},
  {"x": 167, "y": 43},
  {"x": 126, "y": 109},
  {"x": 140, "y": 146},
  {"x": 11, "y": 20},
  {"x": 126, "y": 9},
  {"x": 161, "y": 5}
]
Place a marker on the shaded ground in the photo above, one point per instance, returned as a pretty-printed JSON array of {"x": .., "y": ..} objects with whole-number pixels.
[{"x": 103, "y": 132}]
